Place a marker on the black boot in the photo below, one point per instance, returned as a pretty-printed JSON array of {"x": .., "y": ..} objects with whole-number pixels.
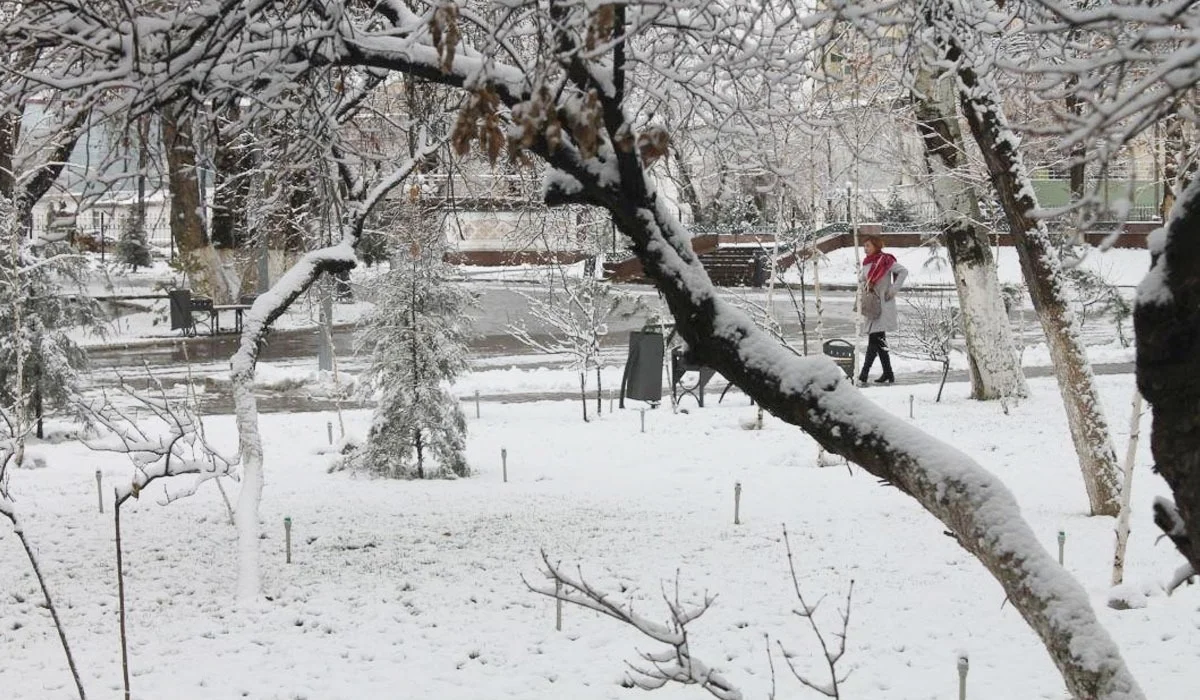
[{"x": 885, "y": 359}]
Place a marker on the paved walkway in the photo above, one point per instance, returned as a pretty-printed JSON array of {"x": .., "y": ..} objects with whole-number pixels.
[{"x": 215, "y": 402}]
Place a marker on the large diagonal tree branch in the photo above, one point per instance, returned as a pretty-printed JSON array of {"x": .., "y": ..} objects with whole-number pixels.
[{"x": 815, "y": 395}]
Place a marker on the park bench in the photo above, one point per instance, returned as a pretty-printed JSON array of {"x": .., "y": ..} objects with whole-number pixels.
[{"x": 185, "y": 307}]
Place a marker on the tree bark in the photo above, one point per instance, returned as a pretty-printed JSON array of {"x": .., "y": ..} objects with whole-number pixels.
[
  {"x": 1078, "y": 156},
  {"x": 187, "y": 227},
  {"x": 1166, "y": 321},
  {"x": 995, "y": 367},
  {"x": 1135, "y": 422},
  {"x": 231, "y": 186},
  {"x": 1177, "y": 166},
  {"x": 10, "y": 133},
  {"x": 41, "y": 178},
  {"x": 583, "y": 393},
  {"x": 687, "y": 188},
  {"x": 1042, "y": 270}
]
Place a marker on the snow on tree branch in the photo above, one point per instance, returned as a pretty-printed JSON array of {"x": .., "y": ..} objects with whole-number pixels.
[
  {"x": 814, "y": 394},
  {"x": 167, "y": 442},
  {"x": 676, "y": 664},
  {"x": 340, "y": 256},
  {"x": 832, "y": 654}
]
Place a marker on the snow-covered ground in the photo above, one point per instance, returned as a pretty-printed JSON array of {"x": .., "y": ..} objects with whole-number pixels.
[
  {"x": 1118, "y": 266},
  {"x": 414, "y": 590}
]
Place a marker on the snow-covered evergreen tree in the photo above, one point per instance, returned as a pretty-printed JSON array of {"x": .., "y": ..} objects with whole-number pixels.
[
  {"x": 416, "y": 338},
  {"x": 134, "y": 249},
  {"x": 37, "y": 310}
]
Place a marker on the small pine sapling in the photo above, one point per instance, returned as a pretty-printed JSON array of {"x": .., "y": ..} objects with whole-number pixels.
[
  {"x": 416, "y": 338},
  {"x": 133, "y": 248}
]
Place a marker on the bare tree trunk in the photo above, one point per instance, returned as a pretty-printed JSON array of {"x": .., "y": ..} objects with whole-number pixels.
[
  {"x": 121, "y": 596},
  {"x": 231, "y": 186},
  {"x": 10, "y": 132},
  {"x": 420, "y": 445},
  {"x": 187, "y": 227},
  {"x": 583, "y": 393},
  {"x": 1078, "y": 172},
  {"x": 995, "y": 365},
  {"x": 688, "y": 189},
  {"x": 415, "y": 361},
  {"x": 200, "y": 260},
  {"x": 1042, "y": 269},
  {"x": 1165, "y": 320},
  {"x": 1178, "y": 163},
  {"x": 250, "y": 447},
  {"x": 1135, "y": 422}
]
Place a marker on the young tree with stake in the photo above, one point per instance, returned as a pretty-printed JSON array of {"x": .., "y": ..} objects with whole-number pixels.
[
  {"x": 574, "y": 312},
  {"x": 416, "y": 337}
]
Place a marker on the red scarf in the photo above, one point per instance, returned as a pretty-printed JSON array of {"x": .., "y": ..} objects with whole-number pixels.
[{"x": 880, "y": 263}]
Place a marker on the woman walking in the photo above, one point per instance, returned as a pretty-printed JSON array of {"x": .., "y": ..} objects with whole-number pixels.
[{"x": 880, "y": 278}]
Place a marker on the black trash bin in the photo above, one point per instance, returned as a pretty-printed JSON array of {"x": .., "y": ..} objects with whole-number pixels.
[
  {"x": 842, "y": 353},
  {"x": 181, "y": 310},
  {"x": 642, "y": 380},
  {"x": 758, "y": 278}
]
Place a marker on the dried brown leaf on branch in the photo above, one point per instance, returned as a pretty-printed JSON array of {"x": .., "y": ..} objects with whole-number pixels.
[
  {"x": 443, "y": 30},
  {"x": 483, "y": 106},
  {"x": 600, "y": 26},
  {"x": 652, "y": 144},
  {"x": 587, "y": 130}
]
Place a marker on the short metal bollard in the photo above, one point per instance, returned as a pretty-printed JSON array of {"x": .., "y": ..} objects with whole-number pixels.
[
  {"x": 558, "y": 605},
  {"x": 287, "y": 537}
]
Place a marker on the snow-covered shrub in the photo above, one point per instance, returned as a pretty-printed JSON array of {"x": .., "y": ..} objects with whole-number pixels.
[
  {"x": 41, "y": 299},
  {"x": 416, "y": 339},
  {"x": 133, "y": 249}
]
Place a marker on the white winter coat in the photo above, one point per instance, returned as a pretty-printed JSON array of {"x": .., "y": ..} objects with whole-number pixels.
[{"x": 892, "y": 282}]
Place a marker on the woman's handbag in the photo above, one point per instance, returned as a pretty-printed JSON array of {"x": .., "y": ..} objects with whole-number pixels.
[{"x": 872, "y": 305}]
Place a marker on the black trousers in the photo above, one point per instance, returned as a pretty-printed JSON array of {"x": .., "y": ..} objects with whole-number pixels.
[{"x": 877, "y": 346}]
